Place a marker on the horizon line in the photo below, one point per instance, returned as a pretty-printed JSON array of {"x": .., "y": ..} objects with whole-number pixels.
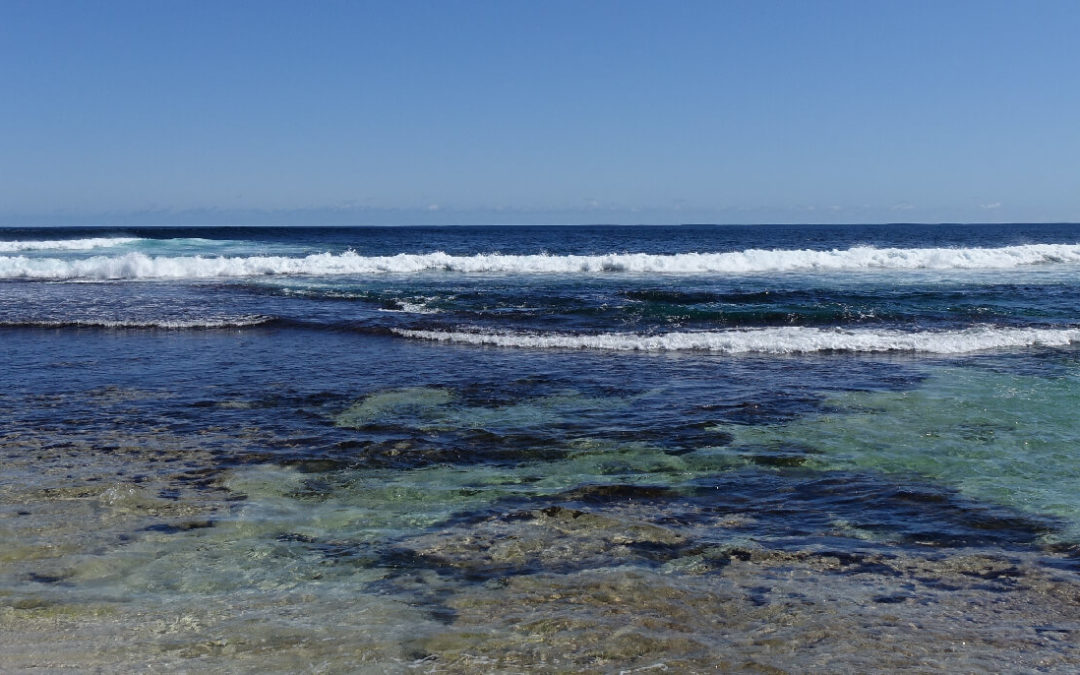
[{"x": 581, "y": 224}]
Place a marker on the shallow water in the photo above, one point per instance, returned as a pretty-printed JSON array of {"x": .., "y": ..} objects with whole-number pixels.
[{"x": 265, "y": 474}]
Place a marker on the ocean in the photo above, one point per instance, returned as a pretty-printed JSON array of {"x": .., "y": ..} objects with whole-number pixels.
[{"x": 535, "y": 449}]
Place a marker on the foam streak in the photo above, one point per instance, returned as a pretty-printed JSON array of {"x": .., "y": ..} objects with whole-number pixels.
[
  {"x": 788, "y": 340},
  {"x": 166, "y": 324}
]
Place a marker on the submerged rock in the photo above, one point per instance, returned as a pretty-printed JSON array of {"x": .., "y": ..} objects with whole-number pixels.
[
  {"x": 766, "y": 614},
  {"x": 552, "y": 538}
]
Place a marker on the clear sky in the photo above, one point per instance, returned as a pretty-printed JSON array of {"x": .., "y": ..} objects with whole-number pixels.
[{"x": 549, "y": 111}]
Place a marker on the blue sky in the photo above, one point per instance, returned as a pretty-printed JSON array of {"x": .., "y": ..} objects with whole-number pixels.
[{"x": 538, "y": 112}]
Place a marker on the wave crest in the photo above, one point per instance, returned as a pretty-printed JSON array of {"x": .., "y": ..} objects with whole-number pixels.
[
  {"x": 166, "y": 324},
  {"x": 65, "y": 244},
  {"x": 787, "y": 340},
  {"x": 142, "y": 266}
]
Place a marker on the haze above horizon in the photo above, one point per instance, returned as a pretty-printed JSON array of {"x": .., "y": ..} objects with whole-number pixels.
[{"x": 353, "y": 113}]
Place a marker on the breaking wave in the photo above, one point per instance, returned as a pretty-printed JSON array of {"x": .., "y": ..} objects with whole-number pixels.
[
  {"x": 65, "y": 244},
  {"x": 142, "y": 266},
  {"x": 787, "y": 340}
]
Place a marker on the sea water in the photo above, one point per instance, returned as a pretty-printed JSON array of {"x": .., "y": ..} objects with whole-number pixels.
[{"x": 506, "y": 449}]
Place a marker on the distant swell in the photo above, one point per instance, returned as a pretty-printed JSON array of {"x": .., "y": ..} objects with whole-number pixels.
[
  {"x": 64, "y": 244},
  {"x": 142, "y": 266},
  {"x": 789, "y": 340}
]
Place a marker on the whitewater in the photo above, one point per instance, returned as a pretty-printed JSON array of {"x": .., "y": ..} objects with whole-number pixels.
[
  {"x": 65, "y": 244},
  {"x": 790, "y": 340},
  {"x": 139, "y": 265}
]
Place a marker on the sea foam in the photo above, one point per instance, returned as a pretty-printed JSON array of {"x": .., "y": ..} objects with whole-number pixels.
[
  {"x": 65, "y": 244},
  {"x": 141, "y": 266},
  {"x": 786, "y": 340}
]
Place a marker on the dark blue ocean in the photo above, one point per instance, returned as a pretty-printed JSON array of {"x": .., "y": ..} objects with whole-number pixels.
[{"x": 534, "y": 449}]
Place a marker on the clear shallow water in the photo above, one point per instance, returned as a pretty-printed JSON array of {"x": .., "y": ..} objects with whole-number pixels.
[{"x": 540, "y": 448}]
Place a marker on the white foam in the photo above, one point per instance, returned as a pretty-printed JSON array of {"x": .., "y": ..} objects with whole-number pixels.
[
  {"x": 65, "y": 244},
  {"x": 786, "y": 340},
  {"x": 413, "y": 308},
  {"x": 142, "y": 266}
]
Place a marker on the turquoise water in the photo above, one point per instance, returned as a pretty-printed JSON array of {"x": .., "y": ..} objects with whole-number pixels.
[{"x": 1000, "y": 437}]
